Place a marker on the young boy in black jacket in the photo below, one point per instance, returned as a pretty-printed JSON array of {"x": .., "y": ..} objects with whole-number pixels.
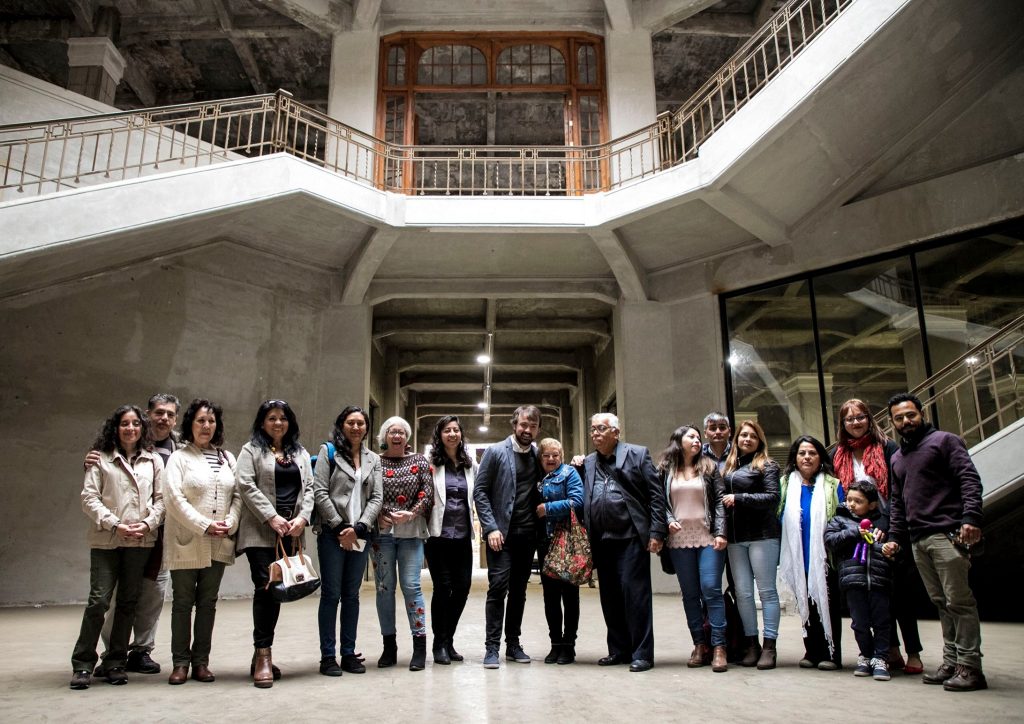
[{"x": 854, "y": 536}]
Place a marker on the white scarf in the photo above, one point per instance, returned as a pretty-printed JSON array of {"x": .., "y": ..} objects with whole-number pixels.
[{"x": 791, "y": 564}]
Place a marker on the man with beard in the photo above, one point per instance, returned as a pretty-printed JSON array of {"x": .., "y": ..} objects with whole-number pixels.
[
  {"x": 936, "y": 502},
  {"x": 506, "y": 497},
  {"x": 624, "y": 512}
]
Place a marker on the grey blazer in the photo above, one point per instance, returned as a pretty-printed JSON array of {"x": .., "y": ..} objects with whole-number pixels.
[
  {"x": 332, "y": 491},
  {"x": 254, "y": 477},
  {"x": 494, "y": 490}
]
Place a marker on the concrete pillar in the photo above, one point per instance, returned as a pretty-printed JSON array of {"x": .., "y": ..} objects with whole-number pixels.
[
  {"x": 804, "y": 398},
  {"x": 630, "y": 64},
  {"x": 344, "y": 374},
  {"x": 352, "y": 96},
  {"x": 95, "y": 68}
]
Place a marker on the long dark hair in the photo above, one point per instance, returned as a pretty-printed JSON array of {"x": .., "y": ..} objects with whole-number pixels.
[
  {"x": 826, "y": 462},
  {"x": 341, "y": 443},
  {"x": 438, "y": 452},
  {"x": 290, "y": 444},
  {"x": 108, "y": 441},
  {"x": 673, "y": 455},
  {"x": 190, "y": 415}
]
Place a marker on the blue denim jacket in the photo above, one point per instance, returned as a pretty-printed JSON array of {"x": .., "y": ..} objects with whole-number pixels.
[{"x": 561, "y": 489}]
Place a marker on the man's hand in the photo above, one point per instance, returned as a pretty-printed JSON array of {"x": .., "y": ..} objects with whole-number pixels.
[
  {"x": 654, "y": 545},
  {"x": 495, "y": 540},
  {"x": 969, "y": 534}
]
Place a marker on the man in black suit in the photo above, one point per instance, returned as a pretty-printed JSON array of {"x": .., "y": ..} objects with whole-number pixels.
[{"x": 624, "y": 511}]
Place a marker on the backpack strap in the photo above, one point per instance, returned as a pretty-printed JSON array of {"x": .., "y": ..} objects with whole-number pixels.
[{"x": 331, "y": 451}]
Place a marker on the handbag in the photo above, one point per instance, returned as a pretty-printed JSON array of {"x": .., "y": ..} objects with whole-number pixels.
[
  {"x": 568, "y": 558},
  {"x": 292, "y": 577}
]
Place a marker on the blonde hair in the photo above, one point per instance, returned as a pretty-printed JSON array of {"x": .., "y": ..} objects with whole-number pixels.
[{"x": 550, "y": 442}]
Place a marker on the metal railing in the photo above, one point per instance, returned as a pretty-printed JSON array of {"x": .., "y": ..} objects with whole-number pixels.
[
  {"x": 68, "y": 153},
  {"x": 979, "y": 393}
]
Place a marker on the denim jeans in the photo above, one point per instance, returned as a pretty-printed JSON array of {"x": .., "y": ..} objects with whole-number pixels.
[
  {"x": 401, "y": 559},
  {"x": 944, "y": 570},
  {"x": 758, "y": 561},
  {"x": 109, "y": 568},
  {"x": 194, "y": 588},
  {"x": 699, "y": 571},
  {"x": 870, "y": 620},
  {"x": 341, "y": 575}
]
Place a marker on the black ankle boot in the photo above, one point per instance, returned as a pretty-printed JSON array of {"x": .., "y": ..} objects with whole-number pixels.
[
  {"x": 390, "y": 655},
  {"x": 553, "y": 654},
  {"x": 567, "y": 654},
  {"x": 419, "y": 653}
]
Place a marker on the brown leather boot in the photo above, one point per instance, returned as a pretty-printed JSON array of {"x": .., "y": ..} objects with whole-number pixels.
[
  {"x": 768, "y": 655},
  {"x": 699, "y": 656},
  {"x": 753, "y": 652},
  {"x": 179, "y": 675},
  {"x": 719, "y": 661},
  {"x": 263, "y": 676},
  {"x": 966, "y": 679}
]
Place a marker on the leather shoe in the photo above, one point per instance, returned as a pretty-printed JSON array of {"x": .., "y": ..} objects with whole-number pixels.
[
  {"x": 179, "y": 675},
  {"x": 944, "y": 673},
  {"x": 141, "y": 662},
  {"x": 641, "y": 665},
  {"x": 966, "y": 679},
  {"x": 116, "y": 676},
  {"x": 200, "y": 672},
  {"x": 612, "y": 660}
]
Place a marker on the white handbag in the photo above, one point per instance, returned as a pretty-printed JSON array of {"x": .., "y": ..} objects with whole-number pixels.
[{"x": 292, "y": 577}]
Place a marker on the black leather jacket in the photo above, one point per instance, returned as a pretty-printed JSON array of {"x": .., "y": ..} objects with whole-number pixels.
[{"x": 756, "y": 500}]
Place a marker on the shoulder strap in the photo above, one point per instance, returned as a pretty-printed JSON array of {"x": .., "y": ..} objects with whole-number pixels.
[{"x": 331, "y": 451}]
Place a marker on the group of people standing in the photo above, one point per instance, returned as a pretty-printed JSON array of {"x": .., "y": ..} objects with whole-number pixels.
[{"x": 823, "y": 524}]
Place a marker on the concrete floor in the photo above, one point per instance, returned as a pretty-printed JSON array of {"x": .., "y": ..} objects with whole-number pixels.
[{"x": 38, "y": 643}]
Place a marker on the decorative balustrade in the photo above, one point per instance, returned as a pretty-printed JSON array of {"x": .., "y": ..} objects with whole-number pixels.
[{"x": 64, "y": 154}]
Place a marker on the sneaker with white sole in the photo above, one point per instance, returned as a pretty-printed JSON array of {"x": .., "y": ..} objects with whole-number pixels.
[
  {"x": 880, "y": 670},
  {"x": 863, "y": 667}
]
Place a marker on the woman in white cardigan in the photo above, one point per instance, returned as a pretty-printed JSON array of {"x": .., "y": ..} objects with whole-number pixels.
[
  {"x": 449, "y": 548},
  {"x": 203, "y": 507}
]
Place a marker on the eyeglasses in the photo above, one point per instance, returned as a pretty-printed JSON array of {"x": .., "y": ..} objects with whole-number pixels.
[
  {"x": 602, "y": 429},
  {"x": 855, "y": 419}
]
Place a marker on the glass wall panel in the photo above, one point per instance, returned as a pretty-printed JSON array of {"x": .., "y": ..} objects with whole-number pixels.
[
  {"x": 772, "y": 363},
  {"x": 869, "y": 334}
]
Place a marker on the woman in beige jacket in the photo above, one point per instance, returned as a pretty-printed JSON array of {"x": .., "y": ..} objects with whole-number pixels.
[
  {"x": 121, "y": 496},
  {"x": 203, "y": 507}
]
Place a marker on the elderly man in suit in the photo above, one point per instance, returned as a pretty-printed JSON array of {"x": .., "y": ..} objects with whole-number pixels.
[
  {"x": 506, "y": 497},
  {"x": 624, "y": 511}
]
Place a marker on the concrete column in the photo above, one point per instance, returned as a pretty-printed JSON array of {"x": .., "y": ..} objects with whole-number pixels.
[
  {"x": 352, "y": 96},
  {"x": 344, "y": 374},
  {"x": 95, "y": 68},
  {"x": 804, "y": 399},
  {"x": 630, "y": 67}
]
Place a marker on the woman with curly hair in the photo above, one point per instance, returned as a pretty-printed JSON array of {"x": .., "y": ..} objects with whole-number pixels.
[
  {"x": 449, "y": 549},
  {"x": 121, "y": 496},
  {"x": 203, "y": 508},
  {"x": 398, "y": 541},
  {"x": 275, "y": 480}
]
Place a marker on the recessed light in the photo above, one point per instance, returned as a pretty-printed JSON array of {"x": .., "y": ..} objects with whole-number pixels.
[{"x": 483, "y": 358}]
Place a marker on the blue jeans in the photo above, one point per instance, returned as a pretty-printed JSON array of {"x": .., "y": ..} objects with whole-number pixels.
[
  {"x": 699, "y": 571},
  {"x": 401, "y": 559},
  {"x": 341, "y": 575},
  {"x": 758, "y": 561}
]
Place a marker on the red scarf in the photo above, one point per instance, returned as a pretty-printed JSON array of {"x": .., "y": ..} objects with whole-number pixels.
[{"x": 874, "y": 463}]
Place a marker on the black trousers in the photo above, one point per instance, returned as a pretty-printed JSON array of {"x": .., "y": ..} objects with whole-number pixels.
[
  {"x": 815, "y": 643},
  {"x": 624, "y": 577},
  {"x": 450, "y": 562},
  {"x": 905, "y": 604},
  {"x": 508, "y": 572},
  {"x": 871, "y": 621},
  {"x": 265, "y": 610},
  {"x": 559, "y": 596}
]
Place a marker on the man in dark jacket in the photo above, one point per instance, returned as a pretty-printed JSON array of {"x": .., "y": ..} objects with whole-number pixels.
[
  {"x": 936, "y": 503},
  {"x": 506, "y": 497},
  {"x": 624, "y": 512}
]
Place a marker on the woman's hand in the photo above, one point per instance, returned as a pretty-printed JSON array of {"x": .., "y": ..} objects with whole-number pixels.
[
  {"x": 384, "y": 522},
  {"x": 890, "y": 549},
  {"x": 218, "y": 529},
  {"x": 729, "y": 500},
  {"x": 401, "y": 516},
  {"x": 347, "y": 538},
  {"x": 719, "y": 543},
  {"x": 541, "y": 511},
  {"x": 296, "y": 526},
  {"x": 674, "y": 526},
  {"x": 280, "y": 525},
  {"x": 577, "y": 460}
]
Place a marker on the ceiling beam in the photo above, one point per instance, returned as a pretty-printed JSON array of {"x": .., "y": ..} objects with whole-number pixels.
[
  {"x": 729, "y": 25},
  {"x": 620, "y": 14},
  {"x": 372, "y": 254},
  {"x": 746, "y": 214},
  {"x": 141, "y": 86},
  {"x": 435, "y": 325},
  {"x": 241, "y": 46},
  {"x": 322, "y": 16},
  {"x": 497, "y": 386},
  {"x": 628, "y": 271},
  {"x": 601, "y": 289},
  {"x": 365, "y": 14},
  {"x": 20, "y": 31},
  {"x": 439, "y": 359},
  {"x": 84, "y": 12},
  {"x": 657, "y": 15}
]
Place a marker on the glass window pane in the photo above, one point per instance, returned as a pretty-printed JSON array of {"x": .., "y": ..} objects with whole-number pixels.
[
  {"x": 586, "y": 65},
  {"x": 772, "y": 363},
  {"x": 869, "y": 335},
  {"x": 396, "y": 66}
]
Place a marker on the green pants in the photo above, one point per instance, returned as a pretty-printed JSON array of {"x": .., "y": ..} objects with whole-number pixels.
[
  {"x": 944, "y": 570},
  {"x": 194, "y": 588}
]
